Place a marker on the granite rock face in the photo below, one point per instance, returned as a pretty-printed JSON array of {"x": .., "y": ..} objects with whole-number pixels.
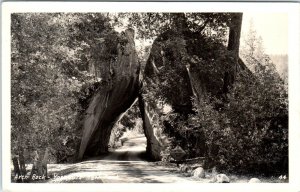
[
  {"x": 119, "y": 88},
  {"x": 157, "y": 141},
  {"x": 184, "y": 65}
]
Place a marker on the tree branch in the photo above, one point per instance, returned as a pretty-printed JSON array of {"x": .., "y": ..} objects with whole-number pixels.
[{"x": 204, "y": 25}]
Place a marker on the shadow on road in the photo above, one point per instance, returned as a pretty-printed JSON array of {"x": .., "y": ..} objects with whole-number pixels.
[
  {"x": 134, "y": 149},
  {"x": 127, "y": 164}
]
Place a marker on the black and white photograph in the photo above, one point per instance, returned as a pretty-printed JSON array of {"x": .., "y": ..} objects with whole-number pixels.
[{"x": 191, "y": 97}]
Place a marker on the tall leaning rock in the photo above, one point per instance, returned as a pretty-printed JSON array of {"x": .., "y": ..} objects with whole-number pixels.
[
  {"x": 183, "y": 65},
  {"x": 117, "y": 65}
]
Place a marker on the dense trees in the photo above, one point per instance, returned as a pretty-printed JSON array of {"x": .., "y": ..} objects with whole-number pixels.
[
  {"x": 150, "y": 25},
  {"x": 249, "y": 114},
  {"x": 184, "y": 63},
  {"x": 281, "y": 62},
  {"x": 49, "y": 71},
  {"x": 250, "y": 132}
]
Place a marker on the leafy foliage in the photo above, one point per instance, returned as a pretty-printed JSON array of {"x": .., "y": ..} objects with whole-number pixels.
[
  {"x": 131, "y": 121},
  {"x": 51, "y": 77},
  {"x": 179, "y": 66},
  {"x": 250, "y": 133},
  {"x": 150, "y": 25},
  {"x": 243, "y": 130}
]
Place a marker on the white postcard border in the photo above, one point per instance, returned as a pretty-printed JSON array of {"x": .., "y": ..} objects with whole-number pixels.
[{"x": 292, "y": 9}]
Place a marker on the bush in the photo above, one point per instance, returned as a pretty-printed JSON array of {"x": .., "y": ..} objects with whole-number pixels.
[{"x": 251, "y": 130}]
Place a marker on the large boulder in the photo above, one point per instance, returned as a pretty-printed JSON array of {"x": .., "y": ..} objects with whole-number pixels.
[
  {"x": 199, "y": 172},
  {"x": 181, "y": 65},
  {"x": 221, "y": 178},
  {"x": 254, "y": 180}
]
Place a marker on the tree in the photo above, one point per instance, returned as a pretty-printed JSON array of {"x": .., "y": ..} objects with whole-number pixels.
[
  {"x": 253, "y": 49},
  {"x": 50, "y": 54},
  {"x": 187, "y": 61},
  {"x": 234, "y": 36},
  {"x": 150, "y": 25},
  {"x": 250, "y": 132},
  {"x": 213, "y": 25}
]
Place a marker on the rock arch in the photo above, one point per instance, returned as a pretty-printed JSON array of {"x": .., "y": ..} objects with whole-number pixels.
[
  {"x": 119, "y": 89},
  {"x": 183, "y": 51}
]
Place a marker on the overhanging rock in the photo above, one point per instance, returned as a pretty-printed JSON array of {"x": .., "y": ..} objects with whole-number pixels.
[
  {"x": 182, "y": 65},
  {"x": 118, "y": 90}
]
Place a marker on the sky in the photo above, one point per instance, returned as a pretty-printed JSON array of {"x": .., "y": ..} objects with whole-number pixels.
[{"x": 272, "y": 27}]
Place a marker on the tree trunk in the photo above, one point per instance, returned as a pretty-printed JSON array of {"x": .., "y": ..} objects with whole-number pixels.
[
  {"x": 17, "y": 171},
  {"x": 234, "y": 36},
  {"x": 22, "y": 162},
  {"x": 35, "y": 164},
  {"x": 19, "y": 166},
  {"x": 179, "y": 22},
  {"x": 235, "y": 27},
  {"x": 39, "y": 167},
  {"x": 45, "y": 162}
]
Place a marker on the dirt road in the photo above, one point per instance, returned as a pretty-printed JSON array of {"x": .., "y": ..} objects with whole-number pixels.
[
  {"x": 129, "y": 164},
  {"x": 125, "y": 165}
]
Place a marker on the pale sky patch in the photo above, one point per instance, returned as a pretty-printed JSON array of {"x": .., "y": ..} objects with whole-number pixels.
[{"x": 272, "y": 27}]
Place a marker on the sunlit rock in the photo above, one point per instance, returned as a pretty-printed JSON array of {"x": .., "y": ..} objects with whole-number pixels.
[
  {"x": 254, "y": 180},
  {"x": 199, "y": 172},
  {"x": 222, "y": 178}
]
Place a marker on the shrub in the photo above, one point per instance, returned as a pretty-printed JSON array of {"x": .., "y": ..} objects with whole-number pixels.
[{"x": 251, "y": 130}]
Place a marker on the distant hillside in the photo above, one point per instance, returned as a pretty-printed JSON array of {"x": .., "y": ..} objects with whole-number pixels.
[{"x": 281, "y": 63}]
